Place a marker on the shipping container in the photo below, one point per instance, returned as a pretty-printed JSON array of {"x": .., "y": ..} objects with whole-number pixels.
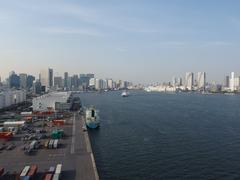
[
  {"x": 48, "y": 177},
  {"x": 26, "y": 178},
  {"x": 33, "y": 170},
  {"x": 58, "y": 169},
  {"x": 56, "y": 177},
  {"x": 58, "y": 122},
  {"x": 24, "y": 171}
]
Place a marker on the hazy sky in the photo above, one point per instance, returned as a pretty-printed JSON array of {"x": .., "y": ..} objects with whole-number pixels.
[{"x": 137, "y": 40}]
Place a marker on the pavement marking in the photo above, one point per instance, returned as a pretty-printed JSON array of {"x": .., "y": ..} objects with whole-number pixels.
[{"x": 73, "y": 135}]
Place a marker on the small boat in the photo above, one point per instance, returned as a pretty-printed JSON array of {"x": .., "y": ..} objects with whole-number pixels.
[
  {"x": 125, "y": 94},
  {"x": 92, "y": 118}
]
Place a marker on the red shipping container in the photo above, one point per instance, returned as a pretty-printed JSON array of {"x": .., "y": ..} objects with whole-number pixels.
[
  {"x": 48, "y": 177},
  {"x": 33, "y": 170},
  {"x": 1, "y": 171}
]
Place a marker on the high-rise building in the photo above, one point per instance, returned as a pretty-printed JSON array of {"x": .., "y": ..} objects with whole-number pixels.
[
  {"x": 30, "y": 80},
  {"x": 174, "y": 81},
  {"x": 58, "y": 82},
  {"x": 14, "y": 80},
  {"x": 75, "y": 82},
  {"x": 66, "y": 79},
  {"x": 189, "y": 80},
  {"x": 227, "y": 82},
  {"x": 201, "y": 80},
  {"x": 232, "y": 81},
  {"x": 50, "y": 77},
  {"x": 92, "y": 82},
  {"x": 37, "y": 87},
  {"x": 99, "y": 84},
  {"x": 43, "y": 77},
  {"x": 110, "y": 84},
  {"x": 179, "y": 81},
  {"x": 23, "y": 81}
]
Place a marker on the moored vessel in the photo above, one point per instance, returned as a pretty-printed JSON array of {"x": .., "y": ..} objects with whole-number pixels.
[{"x": 92, "y": 118}]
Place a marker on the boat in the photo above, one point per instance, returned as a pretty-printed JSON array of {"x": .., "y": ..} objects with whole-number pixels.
[
  {"x": 125, "y": 94},
  {"x": 92, "y": 118}
]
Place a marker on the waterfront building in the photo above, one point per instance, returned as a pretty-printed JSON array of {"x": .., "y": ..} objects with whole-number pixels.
[
  {"x": 98, "y": 84},
  {"x": 201, "y": 80},
  {"x": 92, "y": 82},
  {"x": 232, "y": 81},
  {"x": 23, "y": 81},
  {"x": 174, "y": 81},
  {"x": 109, "y": 83},
  {"x": 227, "y": 82},
  {"x": 189, "y": 80}
]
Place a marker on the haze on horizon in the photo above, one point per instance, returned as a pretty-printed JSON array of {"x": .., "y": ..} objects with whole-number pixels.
[{"x": 139, "y": 40}]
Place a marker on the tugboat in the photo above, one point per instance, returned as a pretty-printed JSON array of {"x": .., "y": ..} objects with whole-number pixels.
[{"x": 92, "y": 118}]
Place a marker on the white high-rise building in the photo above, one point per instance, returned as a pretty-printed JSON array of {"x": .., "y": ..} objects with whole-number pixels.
[
  {"x": 189, "y": 80},
  {"x": 232, "y": 81},
  {"x": 110, "y": 84},
  {"x": 201, "y": 80},
  {"x": 44, "y": 79},
  {"x": 92, "y": 82}
]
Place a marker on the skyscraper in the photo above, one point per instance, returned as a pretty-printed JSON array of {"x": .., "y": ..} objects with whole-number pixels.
[
  {"x": 66, "y": 79},
  {"x": 14, "y": 80},
  {"x": 227, "y": 81},
  {"x": 44, "y": 79},
  {"x": 30, "y": 80},
  {"x": 23, "y": 81},
  {"x": 201, "y": 80},
  {"x": 189, "y": 80},
  {"x": 232, "y": 81},
  {"x": 58, "y": 82},
  {"x": 50, "y": 77}
]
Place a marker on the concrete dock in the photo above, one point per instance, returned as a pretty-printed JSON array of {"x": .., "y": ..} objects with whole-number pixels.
[{"x": 75, "y": 154}]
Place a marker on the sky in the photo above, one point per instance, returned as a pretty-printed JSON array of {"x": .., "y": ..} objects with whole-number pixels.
[{"x": 143, "y": 41}]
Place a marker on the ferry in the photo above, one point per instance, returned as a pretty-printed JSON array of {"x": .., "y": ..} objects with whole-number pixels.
[{"x": 92, "y": 118}]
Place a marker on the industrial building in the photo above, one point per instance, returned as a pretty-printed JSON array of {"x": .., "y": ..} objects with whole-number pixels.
[
  {"x": 49, "y": 101},
  {"x": 10, "y": 97}
]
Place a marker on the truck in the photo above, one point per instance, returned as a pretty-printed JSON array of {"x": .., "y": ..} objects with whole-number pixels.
[
  {"x": 33, "y": 145},
  {"x": 55, "y": 144},
  {"x": 46, "y": 143}
]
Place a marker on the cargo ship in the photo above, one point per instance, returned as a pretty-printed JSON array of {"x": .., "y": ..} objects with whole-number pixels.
[{"x": 92, "y": 118}]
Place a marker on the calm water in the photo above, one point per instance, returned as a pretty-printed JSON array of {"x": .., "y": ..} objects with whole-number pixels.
[{"x": 166, "y": 136}]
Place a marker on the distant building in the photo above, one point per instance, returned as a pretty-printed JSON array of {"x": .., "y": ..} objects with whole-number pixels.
[
  {"x": 58, "y": 82},
  {"x": 110, "y": 84},
  {"x": 232, "y": 81},
  {"x": 201, "y": 80},
  {"x": 14, "y": 80},
  {"x": 75, "y": 82},
  {"x": 23, "y": 81},
  {"x": 50, "y": 77},
  {"x": 30, "y": 80},
  {"x": 37, "y": 87},
  {"x": 44, "y": 79},
  {"x": 189, "y": 80},
  {"x": 92, "y": 82},
  {"x": 98, "y": 84},
  {"x": 227, "y": 82},
  {"x": 66, "y": 79}
]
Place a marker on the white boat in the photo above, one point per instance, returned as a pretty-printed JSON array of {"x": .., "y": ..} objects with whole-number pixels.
[
  {"x": 92, "y": 118},
  {"x": 125, "y": 94}
]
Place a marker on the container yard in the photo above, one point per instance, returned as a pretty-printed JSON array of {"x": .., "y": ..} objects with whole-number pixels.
[{"x": 45, "y": 145}]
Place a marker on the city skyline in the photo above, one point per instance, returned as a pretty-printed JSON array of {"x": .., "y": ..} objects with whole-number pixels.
[{"x": 139, "y": 41}]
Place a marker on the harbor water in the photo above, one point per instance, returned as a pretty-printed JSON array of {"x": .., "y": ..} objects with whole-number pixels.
[{"x": 166, "y": 136}]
